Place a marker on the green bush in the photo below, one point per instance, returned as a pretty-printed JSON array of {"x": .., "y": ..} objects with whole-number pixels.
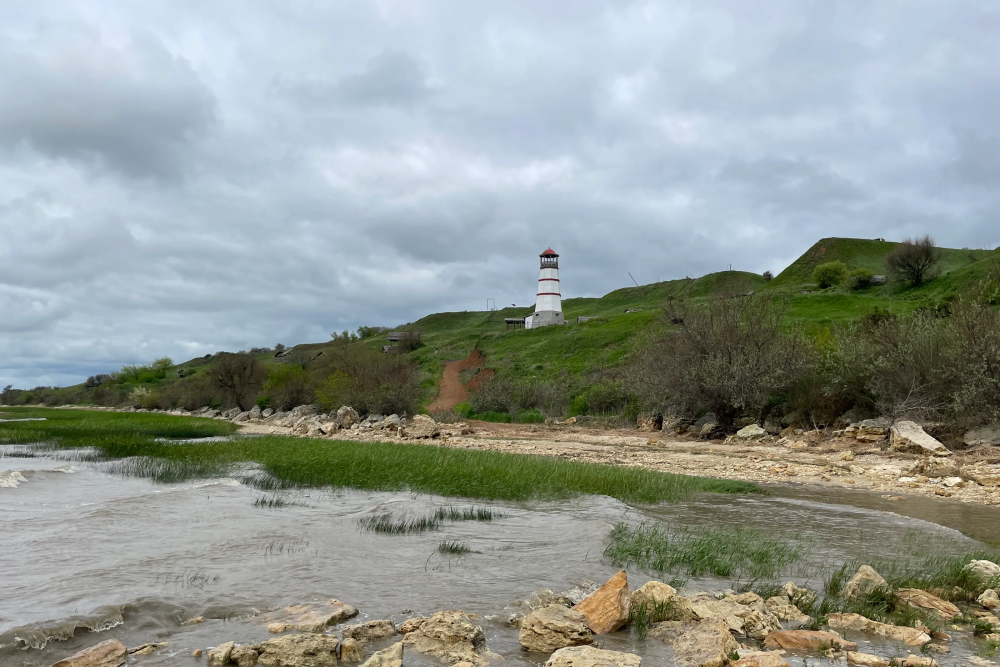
[
  {"x": 860, "y": 278},
  {"x": 830, "y": 274},
  {"x": 492, "y": 416},
  {"x": 288, "y": 385},
  {"x": 578, "y": 406},
  {"x": 463, "y": 410},
  {"x": 531, "y": 417}
]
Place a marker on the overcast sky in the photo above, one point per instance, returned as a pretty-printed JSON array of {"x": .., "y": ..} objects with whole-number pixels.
[{"x": 178, "y": 178}]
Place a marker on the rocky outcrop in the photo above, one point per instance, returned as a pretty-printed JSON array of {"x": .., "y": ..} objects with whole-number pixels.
[
  {"x": 347, "y": 416},
  {"x": 451, "y": 636},
  {"x": 308, "y": 617},
  {"x": 807, "y": 640},
  {"x": 872, "y": 430},
  {"x": 745, "y": 614},
  {"x": 351, "y": 650},
  {"x": 866, "y": 659},
  {"x": 220, "y": 655},
  {"x": 588, "y": 656},
  {"x": 858, "y": 623},
  {"x": 422, "y": 426},
  {"x": 910, "y": 437},
  {"x": 552, "y": 628},
  {"x": 608, "y": 607},
  {"x": 761, "y": 659},
  {"x": 925, "y": 601},
  {"x": 305, "y": 650},
  {"x": 705, "y": 643},
  {"x": 864, "y": 581},
  {"x": 412, "y": 624},
  {"x": 388, "y": 657},
  {"x": 110, "y": 653},
  {"x": 989, "y": 599},
  {"x": 370, "y": 631}
]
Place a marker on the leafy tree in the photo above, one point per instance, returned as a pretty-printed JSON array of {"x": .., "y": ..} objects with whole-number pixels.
[
  {"x": 860, "y": 278},
  {"x": 768, "y": 276},
  {"x": 830, "y": 274},
  {"x": 914, "y": 260},
  {"x": 240, "y": 377}
]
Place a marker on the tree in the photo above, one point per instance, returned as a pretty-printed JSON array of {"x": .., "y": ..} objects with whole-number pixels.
[
  {"x": 830, "y": 274},
  {"x": 860, "y": 278},
  {"x": 240, "y": 377},
  {"x": 914, "y": 260},
  {"x": 768, "y": 276}
]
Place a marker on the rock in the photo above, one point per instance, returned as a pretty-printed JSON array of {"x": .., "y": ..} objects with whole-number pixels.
[
  {"x": 220, "y": 655},
  {"x": 878, "y": 280},
  {"x": 388, "y": 657},
  {"x": 390, "y": 423},
  {"x": 308, "y": 617},
  {"x": 229, "y": 414},
  {"x": 649, "y": 423},
  {"x": 872, "y": 430},
  {"x": 919, "y": 661},
  {"x": 858, "y": 623},
  {"x": 863, "y": 582},
  {"x": 607, "y": 608},
  {"x": 552, "y": 628},
  {"x": 706, "y": 426},
  {"x": 370, "y": 631},
  {"x": 784, "y": 610},
  {"x": 351, "y": 650},
  {"x": 799, "y": 596},
  {"x": 866, "y": 659},
  {"x": 412, "y": 624},
  {"x": 196, "y": 653},
  {"x": 305, "y": 650},
  {"x": 989, "y": 599},
  {"x": 745, "y": 614},
  {"x": 651, "y": 594},
  {"x": 919, "y": 599},
  {"x": 751, "y": 432},
  {"x": 242, "y": 417},
  {"x": 211, "y": 414},
  {"x": 422, "y": 426},
  {"x": 571, "y": 421},
  {"x": 148, "y": 648},
  {"x": 451, "y": 636},
  {"x": 110, "y": 653},
  {"x": 304, "y": 410},
  {"x": 772, "y": 426},
  {"x": 255, "y": 412},
  {"x": 910, "y": 437},
  {"x": 588, "y": 656},
  {"x": 347, "y": 416},
  {"x": 988, "y": 436},
  {"x": 807, "y": 640},
  {"x": 761, "y": 659},
  {"x": 244, "y": 656},
  {"x": 706, "y": 643},
  {"x": 328, "y": 428},
  {"x": 266, "y": 412},
  {"x": 547, "y": 596},
  {"x": 985, "y": 570}
]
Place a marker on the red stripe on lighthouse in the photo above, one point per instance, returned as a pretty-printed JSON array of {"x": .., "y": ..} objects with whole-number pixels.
[{"x": 548, "y": 294}]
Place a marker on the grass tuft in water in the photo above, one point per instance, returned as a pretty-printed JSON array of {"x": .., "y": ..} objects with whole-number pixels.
[
  {"x": 644, "y": 615},
  {"x": 473, "y": 513},
  {"x": 390, "y": 524},
  {"x": 454, "y": 547},
  {"x": 271, "y": 502},
  {"x": 719, "y": 551}
]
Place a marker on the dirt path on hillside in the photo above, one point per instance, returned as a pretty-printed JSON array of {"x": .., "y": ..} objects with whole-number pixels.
[{"x": 452, "y": 391}]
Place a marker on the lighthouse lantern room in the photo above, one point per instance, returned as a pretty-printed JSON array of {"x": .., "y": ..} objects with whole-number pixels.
[{"x": 548, "y": 301}]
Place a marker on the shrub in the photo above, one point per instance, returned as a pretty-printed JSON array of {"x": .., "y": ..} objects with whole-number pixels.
[
  {"x": 860, "y": 278},
  {"x": 287, "y": 386},
  {"x": 240, "y": 377},
  {"x": 578, "y": 406},
  {"x": 830, "y": 274},
  {"x": 768, "y": 276},
  {"x": 368, "y": 381},
  {"x": 914, "y": 260}
]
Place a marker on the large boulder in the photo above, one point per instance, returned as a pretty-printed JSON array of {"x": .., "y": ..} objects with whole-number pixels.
[
  {"x": 925, "y": 601},
  {"x": 588, "y": 656},
  {"x": 784, "y": 610},
  {"x": 370, "y": 631},
  {"x": 872, "y": 430},
  {"x": 305, "y": 650},
  {"x": 110, "y": 653},
  {"x": 751, "y": 432},
  {"x": 351, "y": 650},
  {"x": 653, "y": 594},
  {"x": 232, "y": 412},
  {"x": 451, "y": 636},
  {"x": 219, "y": 656},
  {"x": 422, "y": 426},
  {"x": 552, "y": 628},
  {"x": 310, "y": 617},
  {"x": 347, "y": 416},
  {"x": 242, "y": 417},
  {"x": 984, "y": 436},
  {"x": 649, "y": 423},
  {"x": 984, "y": 570},
  {"x": 388, "y": 657},
  {"x": 255, "y": 412},
  {"x": 608, "y": 607},
  {"x": 910, "y": 437},
  {"x": 989, "y": 599},
  {"x": 858, "y": 623},
  {"x": 745, "y": 614},
  {"x": 705, "y": 643},
  {"x": 807, "y": 640},
  {"x": 866, "y": 659},
  {"x": 761, "y": 659},
  {"x": 864, "y": 581},
  {"x": 707, "y": 426},
  {"x": 244, "y": 656}
]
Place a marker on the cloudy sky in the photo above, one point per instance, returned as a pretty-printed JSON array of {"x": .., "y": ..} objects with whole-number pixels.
[{"x": 182, "y": 177}]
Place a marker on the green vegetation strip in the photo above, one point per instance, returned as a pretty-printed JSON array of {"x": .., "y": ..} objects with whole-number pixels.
[{"x": 132, "y": 438}]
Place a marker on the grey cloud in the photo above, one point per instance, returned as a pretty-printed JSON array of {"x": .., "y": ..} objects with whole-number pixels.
[{"x": 136, "y": 108}]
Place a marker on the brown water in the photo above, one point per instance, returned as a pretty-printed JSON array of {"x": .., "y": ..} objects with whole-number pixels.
[{"x": 87, "y": 555}]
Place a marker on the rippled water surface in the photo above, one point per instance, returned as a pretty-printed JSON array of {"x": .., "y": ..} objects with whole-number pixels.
[{"x": 85, "y": 552}]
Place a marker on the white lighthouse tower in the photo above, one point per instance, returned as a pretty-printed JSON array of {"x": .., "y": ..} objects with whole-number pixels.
[{"x": 548, "y": 302}]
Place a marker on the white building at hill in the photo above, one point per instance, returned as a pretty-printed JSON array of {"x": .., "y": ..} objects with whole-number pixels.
[{"x": 548, "y": 300}]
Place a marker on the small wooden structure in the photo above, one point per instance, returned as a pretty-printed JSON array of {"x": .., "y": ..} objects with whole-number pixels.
[
  {"x": 397, "y": 336},
  {"x": 514, "y": 323}
]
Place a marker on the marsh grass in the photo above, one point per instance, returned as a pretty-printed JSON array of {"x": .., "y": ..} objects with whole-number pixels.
[
  {"x": 451, "y": 513},
  {"x": 393, "y": 524},
  {"x": 644, "y": 615},
  {"x": 719, "y": 551},
  {"x": 271, "y": 502},
  {"x": 289, "y": 462},
  {"x": 454, "y": 548}
]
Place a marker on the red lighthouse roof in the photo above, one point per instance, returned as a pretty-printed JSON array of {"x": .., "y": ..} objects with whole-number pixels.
[{"x": 549, "y": 253}]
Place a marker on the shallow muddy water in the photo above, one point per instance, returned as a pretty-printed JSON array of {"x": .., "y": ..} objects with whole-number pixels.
[{"x": 87, "y": 555}]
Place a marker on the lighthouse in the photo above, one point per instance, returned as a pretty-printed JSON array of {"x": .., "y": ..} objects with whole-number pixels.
[{"x": 548, "y": 300}]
